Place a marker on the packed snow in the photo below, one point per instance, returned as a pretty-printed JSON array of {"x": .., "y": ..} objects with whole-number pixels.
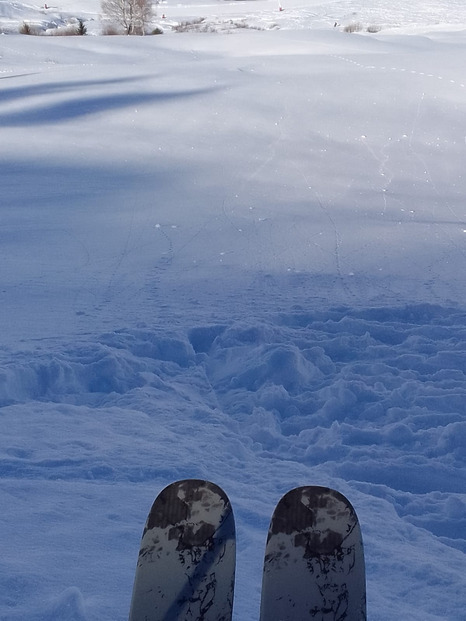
[{"x": 235, "y": 251}]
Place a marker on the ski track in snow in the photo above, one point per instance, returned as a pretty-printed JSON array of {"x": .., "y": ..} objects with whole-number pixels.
[
  {"x": 413, "y": 72},
  {"x": 238, "y": 258}
]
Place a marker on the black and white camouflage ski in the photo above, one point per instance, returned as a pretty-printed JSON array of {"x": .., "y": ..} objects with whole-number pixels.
[
  {"x": 314, "y": 559},
  {"x": 186, "y": 564}
]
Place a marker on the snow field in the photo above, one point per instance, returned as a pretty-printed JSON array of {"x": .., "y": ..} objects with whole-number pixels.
[{"x": 236, "y": 257}]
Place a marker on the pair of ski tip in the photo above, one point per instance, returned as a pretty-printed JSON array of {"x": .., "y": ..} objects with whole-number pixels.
[{"x": 313, "y": 564}]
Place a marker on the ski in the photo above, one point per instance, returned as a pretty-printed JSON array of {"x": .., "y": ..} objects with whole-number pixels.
[
  {"x": 314, "y": 559},
  {"x": 186, "y": 564}
]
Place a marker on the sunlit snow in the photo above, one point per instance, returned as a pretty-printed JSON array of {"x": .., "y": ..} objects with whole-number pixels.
[{"x": 237, "y": 253}]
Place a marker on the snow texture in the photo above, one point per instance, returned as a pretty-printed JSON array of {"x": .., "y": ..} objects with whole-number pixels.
[{"x": 236, "y": 252}]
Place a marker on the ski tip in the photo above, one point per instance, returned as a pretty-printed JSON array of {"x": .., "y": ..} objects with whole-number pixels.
[
  {"x": 314, "y": 559},
  {"x": 187, "y": 500},
  {"x": 314, "y": 495},
  {"x": 194, "y": 484},
  {"x": 314, "y": 508}
]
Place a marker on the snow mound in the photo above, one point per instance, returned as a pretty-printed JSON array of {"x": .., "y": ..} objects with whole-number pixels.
[{"x": 368, "y": 401}]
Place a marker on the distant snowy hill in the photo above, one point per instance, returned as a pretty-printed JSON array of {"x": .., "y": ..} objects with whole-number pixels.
[
  {"x": 238, "y": 255},
  {"x": 221, "y": 16}
]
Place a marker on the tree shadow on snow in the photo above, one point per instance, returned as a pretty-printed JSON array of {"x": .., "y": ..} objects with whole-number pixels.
[{"x": 81, "y": 105}]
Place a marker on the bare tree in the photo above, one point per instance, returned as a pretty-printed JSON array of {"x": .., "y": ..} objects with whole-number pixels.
[{"x": 132, "y": 15}]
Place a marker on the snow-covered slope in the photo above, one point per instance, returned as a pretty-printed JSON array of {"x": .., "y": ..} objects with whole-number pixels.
[{"x": 240, "y": 257}]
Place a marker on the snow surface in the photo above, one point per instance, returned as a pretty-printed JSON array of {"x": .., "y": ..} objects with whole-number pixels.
[{"x": 238, "y": 255}]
